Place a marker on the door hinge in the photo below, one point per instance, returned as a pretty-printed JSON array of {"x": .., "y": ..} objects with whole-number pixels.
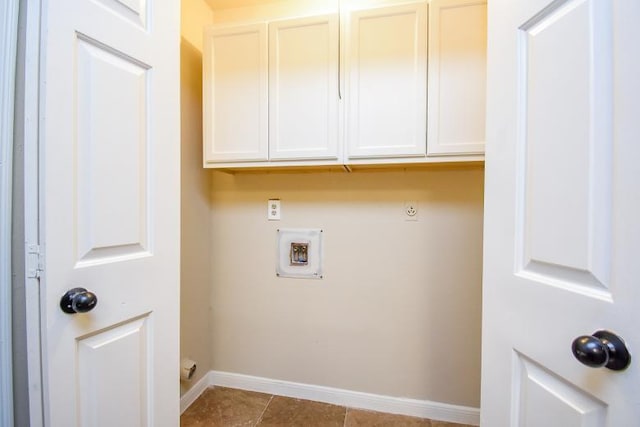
[{"x": 35, "y": 264}]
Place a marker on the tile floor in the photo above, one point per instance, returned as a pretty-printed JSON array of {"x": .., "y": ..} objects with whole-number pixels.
[{"x": 221, "y": 406}]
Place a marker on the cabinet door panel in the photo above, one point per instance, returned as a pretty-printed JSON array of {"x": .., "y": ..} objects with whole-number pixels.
[
  {"x": 235, "y": 94},
  {"x": 303, "y": 88},
  {"x": 457, "y": 75},
  {"x": 387, "y": 68}
]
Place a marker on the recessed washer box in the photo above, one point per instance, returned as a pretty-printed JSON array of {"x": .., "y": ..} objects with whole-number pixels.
[{"x": 299, "y": 253}]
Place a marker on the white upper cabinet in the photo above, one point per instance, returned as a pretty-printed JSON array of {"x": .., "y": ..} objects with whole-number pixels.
[
  {"x": 292, "y": 83},
  {"x": 386, "y": 60},
  {"x": 457, "y": 74},
  {"x": 235, "y": 94},
  {"x": 303, "y": 88}
]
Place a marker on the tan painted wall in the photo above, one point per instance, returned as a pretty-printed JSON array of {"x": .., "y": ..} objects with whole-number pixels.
[
  {"x": 234, "y": 11},
  {"x": 268, "y": 10},
  {"x": 398, "y": 312},
  {"x": 195, "y": 317}
]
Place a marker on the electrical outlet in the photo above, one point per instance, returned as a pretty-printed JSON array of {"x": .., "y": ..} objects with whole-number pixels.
[
  {"x": 411, "y": 210},
  {"x": 273, "y": 211}
]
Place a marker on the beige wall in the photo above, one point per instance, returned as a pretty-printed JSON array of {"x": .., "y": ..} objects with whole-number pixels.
[
  {"x": 195, "y": 14},
  {"x": 280, "y": 9},
  {"x": 398, "y": 312},
  {"x": 195, "y": 317}
]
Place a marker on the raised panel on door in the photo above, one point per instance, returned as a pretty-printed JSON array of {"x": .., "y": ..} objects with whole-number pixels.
[
  {"x": 561, "y": 229},
  {"x": 116, "y": 360},
  {"x": 457, "y": 77},
  {"x": 111, "y": 208},
  {"x": 386, "y": 60},
  {"x": 235, "y": 94},
  {"x": 110, "y": 211},
  {"x": 543, "y": 398},
  {"x": 303, "y": 88}
]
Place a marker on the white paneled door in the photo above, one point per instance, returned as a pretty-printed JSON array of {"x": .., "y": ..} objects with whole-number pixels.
[
  {"x": 110, "y": 211},
  {"x": 562, "y": 224}
]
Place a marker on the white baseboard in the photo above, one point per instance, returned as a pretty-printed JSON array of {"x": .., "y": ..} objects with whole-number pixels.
[
  {"x": 194, "y": 392},
  {"x": 352, "y": 399}
]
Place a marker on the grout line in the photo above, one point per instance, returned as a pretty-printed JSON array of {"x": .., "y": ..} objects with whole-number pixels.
[{"x": 263, "y": 411}]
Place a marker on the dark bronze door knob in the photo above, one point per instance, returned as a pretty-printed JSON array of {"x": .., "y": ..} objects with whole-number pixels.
[
  {"x": 78, "y": 300},
  {"x": 602, "y": 349}
]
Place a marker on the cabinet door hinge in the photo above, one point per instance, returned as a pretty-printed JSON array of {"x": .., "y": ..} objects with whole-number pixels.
[{"x": 35, "y": 264}]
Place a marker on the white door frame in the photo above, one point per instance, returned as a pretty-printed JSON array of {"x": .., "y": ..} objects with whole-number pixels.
[
  {"x": 25, "y": 107},
  {"x": 8, "y": 43}
]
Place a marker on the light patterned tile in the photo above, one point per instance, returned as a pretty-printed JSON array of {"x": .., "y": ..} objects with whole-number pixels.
[
  {"x": 360, "y": 418},
  {"x": 446, "y": 424},
  {"x": 285, "y": 411},
  {"x": 226, "y": 407}
]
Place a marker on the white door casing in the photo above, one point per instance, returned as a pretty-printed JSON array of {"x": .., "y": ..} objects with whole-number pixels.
[
  {"x": 8, "y": 42},
  {"x": 561, "y": 210},
  {"x": 110, "y": 210}
]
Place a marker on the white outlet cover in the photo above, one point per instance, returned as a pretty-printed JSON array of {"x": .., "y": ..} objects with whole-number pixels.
[
  {"x": 273, "y": 210},
  {"x": 313, "y": 268}
]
